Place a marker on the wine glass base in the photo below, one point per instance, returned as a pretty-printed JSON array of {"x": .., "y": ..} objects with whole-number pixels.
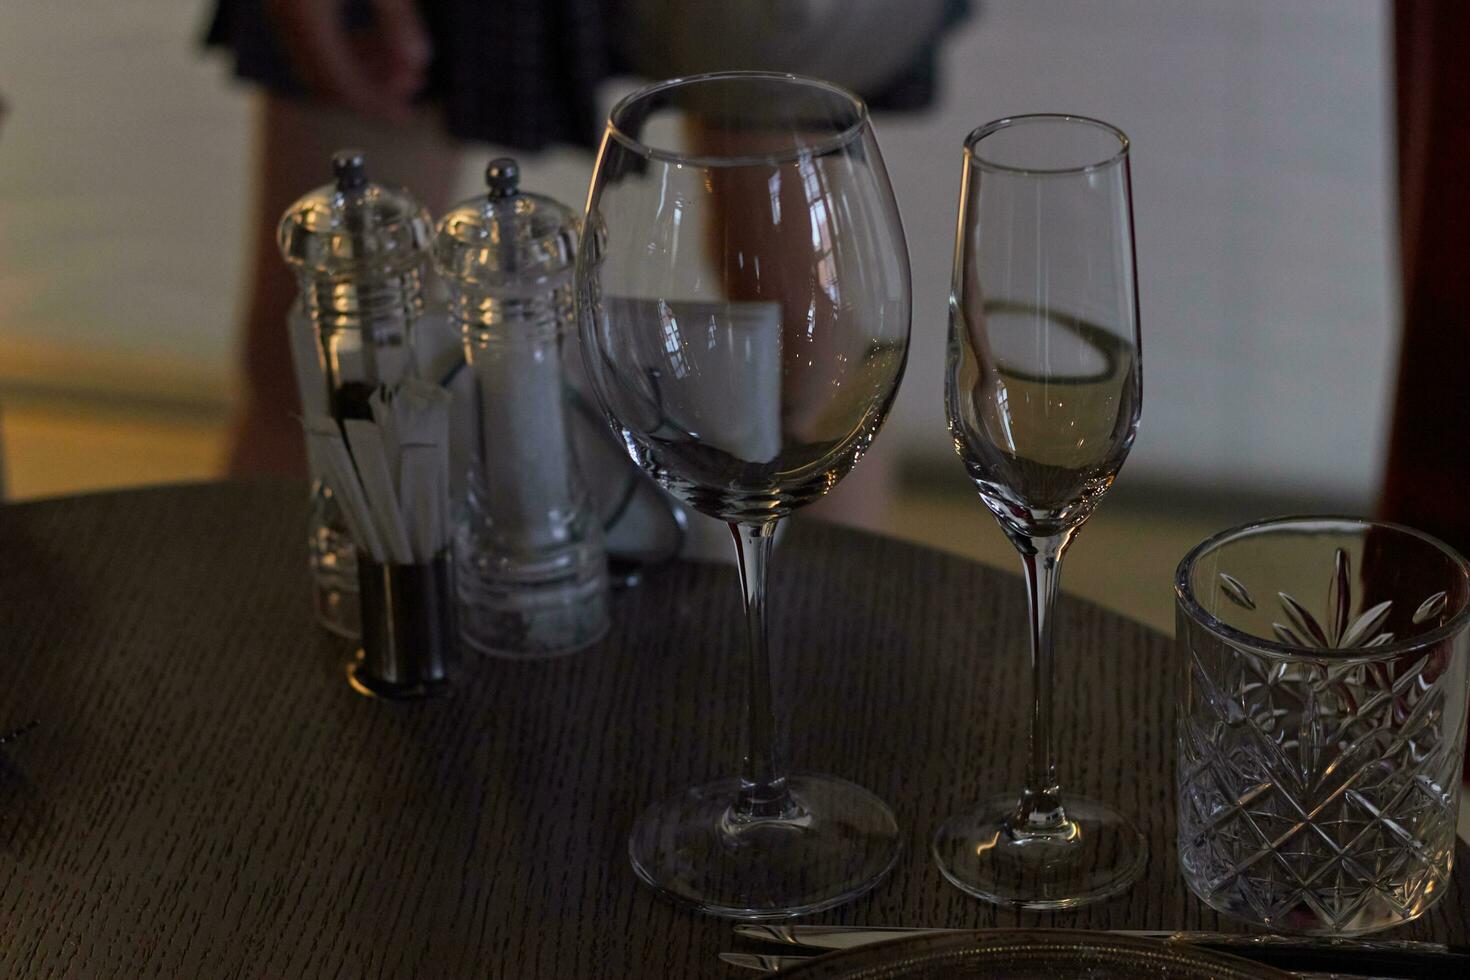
[
  {"x": 1102, "y": 857},
  {"x": 840, "y": 842}
]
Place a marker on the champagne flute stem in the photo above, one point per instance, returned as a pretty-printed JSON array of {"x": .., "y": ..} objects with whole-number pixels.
[
  {"x": 763, "y": 794},
  {"x": 1040, "y": 811}
]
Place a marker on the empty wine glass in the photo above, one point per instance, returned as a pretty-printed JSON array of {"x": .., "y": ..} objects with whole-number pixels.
[
  {"x": 1043, "y": 392},
  {"x": 743, "y": 288}
]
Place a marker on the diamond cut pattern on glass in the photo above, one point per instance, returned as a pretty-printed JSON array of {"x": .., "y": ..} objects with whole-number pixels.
[
  {"x": 1317, "y": 795},
  {"x": 1303, "y": 629}
]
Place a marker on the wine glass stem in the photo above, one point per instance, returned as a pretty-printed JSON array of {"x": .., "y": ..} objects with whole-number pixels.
[
  {"x": 1040, "y": 811},
  {"x": 763, "y": 794}
]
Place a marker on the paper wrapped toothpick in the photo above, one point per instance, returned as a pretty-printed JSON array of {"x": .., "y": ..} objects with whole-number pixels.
[{"x": 391, "y": 474}]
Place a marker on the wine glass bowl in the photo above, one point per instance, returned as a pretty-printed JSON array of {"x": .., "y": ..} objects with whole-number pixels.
[
  {"x": 1043, "y": 392},
  {"x": 774, "y": 315},
  {"x": 744, "y": 300}
]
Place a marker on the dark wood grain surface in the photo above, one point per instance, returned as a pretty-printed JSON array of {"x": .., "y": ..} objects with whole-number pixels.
[{"x": 205, "y": 797}]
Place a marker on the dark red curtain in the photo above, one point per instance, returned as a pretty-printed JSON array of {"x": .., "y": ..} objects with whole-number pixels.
[{"x": 1427, "y": 484}]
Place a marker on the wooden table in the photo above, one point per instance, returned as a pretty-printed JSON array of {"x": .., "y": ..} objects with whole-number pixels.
[{"x": 205, "y": 797}]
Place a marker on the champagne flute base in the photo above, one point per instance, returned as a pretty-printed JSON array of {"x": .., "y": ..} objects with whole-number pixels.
[
  {"x": 1099, "y": 855},
  {"x": 838, "y": 843}
]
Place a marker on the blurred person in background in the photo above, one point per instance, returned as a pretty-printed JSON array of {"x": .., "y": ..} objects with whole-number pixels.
[{"x": 409, "y": 82}]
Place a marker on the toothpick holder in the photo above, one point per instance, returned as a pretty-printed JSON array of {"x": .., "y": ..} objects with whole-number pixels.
[{"x": 409, "y": 631}]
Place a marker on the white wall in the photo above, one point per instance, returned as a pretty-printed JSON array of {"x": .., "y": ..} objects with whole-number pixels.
[
  {"x": 1262, "y": 152},
  {"x": 1262, "y": 136},
  {"x": 122, "y": 178}
]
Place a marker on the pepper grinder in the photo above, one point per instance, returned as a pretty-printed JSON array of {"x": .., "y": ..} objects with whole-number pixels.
[
  {"x": 359, "y": 251},
  {"x": 532, "y": 572}
]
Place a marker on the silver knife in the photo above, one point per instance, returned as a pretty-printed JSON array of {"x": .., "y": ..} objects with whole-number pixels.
[
  {"x": 764, "y": 962},
  {"x": 816, "y": 937},
  {"x": 812, "y": 937}
]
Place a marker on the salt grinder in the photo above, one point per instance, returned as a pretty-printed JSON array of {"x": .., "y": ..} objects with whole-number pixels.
[
  {"x": 359, "y": 251},
  {"x": 532, "y": 572}
]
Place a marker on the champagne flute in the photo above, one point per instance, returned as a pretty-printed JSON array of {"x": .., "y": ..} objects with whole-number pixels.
[
  {"x": 1042, "y": 392},
  {"x": 744, "y": 298}
]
